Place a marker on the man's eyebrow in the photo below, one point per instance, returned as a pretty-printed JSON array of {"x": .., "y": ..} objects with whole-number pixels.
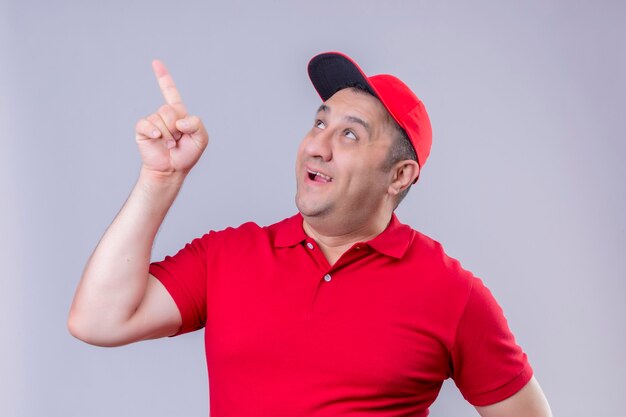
[
  {"x": 323, "y": 108},
  {"x": 352, "y": 119},
  {"x": 362, "y": 122}
]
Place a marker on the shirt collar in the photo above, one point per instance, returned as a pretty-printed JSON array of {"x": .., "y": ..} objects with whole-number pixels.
[
  {"x": 289, "y": 232},
  {"x": 393, "y": 241}
]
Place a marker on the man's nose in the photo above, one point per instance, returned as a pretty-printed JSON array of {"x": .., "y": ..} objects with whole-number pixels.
[{"x": 320, "y": 145}]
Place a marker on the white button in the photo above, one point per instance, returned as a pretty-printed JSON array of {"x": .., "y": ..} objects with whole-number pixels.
[
  {"x": 327, "y": 278},
  {"x": 309, "y": 245}
]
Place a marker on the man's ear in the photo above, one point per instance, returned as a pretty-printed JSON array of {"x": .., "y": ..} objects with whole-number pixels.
[{"x": 404, "y": 174}]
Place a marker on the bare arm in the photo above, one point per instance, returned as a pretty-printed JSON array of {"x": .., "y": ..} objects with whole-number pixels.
[
  {"x": 117, "y": 301},
  {"x": 527, "y": 402}
]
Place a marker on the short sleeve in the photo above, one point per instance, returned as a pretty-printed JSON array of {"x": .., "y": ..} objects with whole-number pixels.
[
  {"x": 488, "y": 366},
  {"x": 184, "y": 275}
]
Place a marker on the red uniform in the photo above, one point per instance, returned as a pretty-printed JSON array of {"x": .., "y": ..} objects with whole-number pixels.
[{"x": 375, "y": 334}]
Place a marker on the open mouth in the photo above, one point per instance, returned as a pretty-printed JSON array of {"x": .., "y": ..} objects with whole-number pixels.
[{"x": 318, "y": 176}]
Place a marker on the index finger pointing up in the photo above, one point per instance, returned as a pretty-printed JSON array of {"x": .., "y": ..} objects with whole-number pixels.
[{"x": 168, "y": 88}]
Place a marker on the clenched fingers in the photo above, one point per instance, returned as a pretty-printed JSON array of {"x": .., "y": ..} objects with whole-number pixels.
[
  {"x": 169, "y": 117},
  {"x": 144, "y": 129},
  {"x": 152, "y": 128}
]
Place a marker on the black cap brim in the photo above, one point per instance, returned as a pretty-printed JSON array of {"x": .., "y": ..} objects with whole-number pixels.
[{"x": 332, "y": 71}]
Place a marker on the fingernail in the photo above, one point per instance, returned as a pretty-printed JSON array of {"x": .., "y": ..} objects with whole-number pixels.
[
  {"x": 183, "y": 123},
  {"x": 155, "y": 133}
]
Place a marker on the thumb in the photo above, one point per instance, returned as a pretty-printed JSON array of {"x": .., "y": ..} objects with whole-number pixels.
[{"x": 193, "y": 126}]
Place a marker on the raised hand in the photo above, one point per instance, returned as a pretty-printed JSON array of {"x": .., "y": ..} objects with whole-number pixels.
[{"x": 170, "y": 140}]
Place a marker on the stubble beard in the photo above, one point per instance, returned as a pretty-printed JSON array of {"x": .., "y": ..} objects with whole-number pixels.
[{"x": 311, "y": 208}]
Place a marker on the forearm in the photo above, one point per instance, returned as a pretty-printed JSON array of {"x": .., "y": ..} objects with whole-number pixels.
[{"x": 115, "y": 278}]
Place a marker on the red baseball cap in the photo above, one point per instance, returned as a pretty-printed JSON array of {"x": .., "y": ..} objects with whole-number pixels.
[{"x": 332, "y": 71}]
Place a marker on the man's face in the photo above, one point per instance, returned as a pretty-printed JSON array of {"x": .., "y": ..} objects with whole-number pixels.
[{"x": 339, "y": 166}]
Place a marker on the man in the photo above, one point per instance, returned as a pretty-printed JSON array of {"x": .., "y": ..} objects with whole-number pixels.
[{"x": 340, "y": 310}]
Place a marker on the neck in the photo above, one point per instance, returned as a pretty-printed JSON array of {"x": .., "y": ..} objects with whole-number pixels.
[{"x": 334, "y": 239}]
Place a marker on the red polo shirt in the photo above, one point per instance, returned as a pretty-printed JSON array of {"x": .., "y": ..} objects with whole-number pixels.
[{"x": 376, "y": 333}]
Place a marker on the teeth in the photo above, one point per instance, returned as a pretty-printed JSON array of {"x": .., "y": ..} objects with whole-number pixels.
[{"x": 319, "y": 174}]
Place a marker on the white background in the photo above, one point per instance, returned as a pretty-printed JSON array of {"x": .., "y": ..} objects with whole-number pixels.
[{"x": 525, "y": 183}]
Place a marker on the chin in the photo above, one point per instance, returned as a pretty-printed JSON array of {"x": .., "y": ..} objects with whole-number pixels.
[{"x": 311, "y": 209}]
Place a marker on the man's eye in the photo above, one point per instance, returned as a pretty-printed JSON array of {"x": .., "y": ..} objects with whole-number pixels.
[
  {"x": 350, "y": 134},
  {"x": 319, "y": 124}
]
